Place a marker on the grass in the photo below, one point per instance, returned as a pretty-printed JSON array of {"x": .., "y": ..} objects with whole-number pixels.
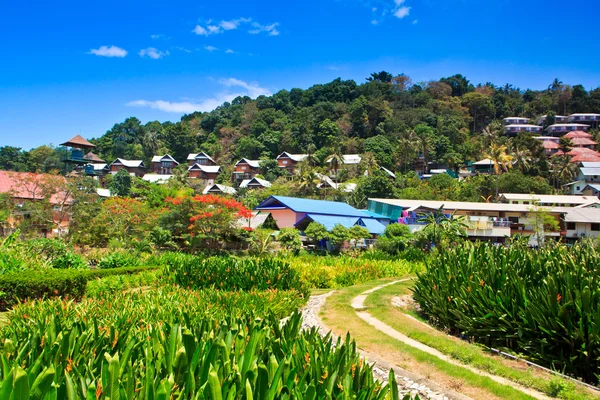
[
  {"x": 338, "y": 315},
  {"x": 379, "y": 305}
]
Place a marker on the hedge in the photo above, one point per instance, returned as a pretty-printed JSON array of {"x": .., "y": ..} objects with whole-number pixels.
[{"x": 20, "y": 286}]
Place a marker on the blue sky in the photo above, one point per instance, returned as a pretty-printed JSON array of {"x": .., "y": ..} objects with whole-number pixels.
[{"x": 71, "y": 67}]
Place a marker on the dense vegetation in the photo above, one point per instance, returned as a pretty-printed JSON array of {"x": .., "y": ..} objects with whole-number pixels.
[
  {"x": 389, "y": 119},
  {"x": 544, "y": 303}
]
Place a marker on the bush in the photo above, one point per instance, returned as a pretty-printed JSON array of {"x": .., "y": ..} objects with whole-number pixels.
[
  {"x": 119, "y": 260},
  {"x": 289, "y": 238},
  {"x": 231, "y": 273},
  {"x": 17, "y": 287},
  {"x": 544, "y": 303},
  {"x": 24, "y": 285}
]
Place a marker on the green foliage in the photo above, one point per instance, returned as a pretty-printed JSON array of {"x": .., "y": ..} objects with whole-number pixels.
[
  {"x": 231, "y": 273},
  {"x": 341, "y": 271},
  {"x": 173, "y": 343},
  {"x": 113, "y": 284},
  {"x": 119, "y": 259},
  {"x": 339, "y": 234},
  {"x": 16, "y": 287},
  {"x": 121, "y": 183},
  {"x": 395, "y": 239},
  {"x": 289, "y": 238},
  {"x": 542, "y": 303},
  {"x": 316, "y": 231}
]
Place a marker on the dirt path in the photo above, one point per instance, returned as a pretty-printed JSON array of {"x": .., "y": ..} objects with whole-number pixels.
[
  {"x": 408, "y": 382},
  {"x": 358, "y": 303}
]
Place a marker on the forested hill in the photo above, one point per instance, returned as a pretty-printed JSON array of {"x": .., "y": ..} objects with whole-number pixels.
[
  {"x": 379, "y": 115},
  {"x": 390, "y": 116}
]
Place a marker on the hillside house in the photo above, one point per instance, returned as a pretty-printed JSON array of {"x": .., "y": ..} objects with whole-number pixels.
[
  {"x": 516, "y": 121},
  {"x": 549, "y": 143},
  {"x": 561, "y": 129},
  {"x": 246, "y": 169},
  {"x": 255, "y": 183},
  {"x": 206, "y": 172},
  {"x": 200, "y": 158},
  {"x": 219, "y": 190},
  {"x": 558, "y": 119},
  {"x": 289, "y": 161},
  {"x": 514, "y": 129},
  {"x": 591, "y": 119},
  {"x": 164, "y": 165},
  {"x": 74, "y": 153},
  {"x": 582, "y": 139},
  {"x": 134, "y": 167}
]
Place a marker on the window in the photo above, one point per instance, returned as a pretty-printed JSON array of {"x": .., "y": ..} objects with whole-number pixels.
[
  {"x": 243, "y": 167},
  {"x": 577, "y": 188},
  {"x": 571, "y": 226},
  {"x": 513, "y": 220},
  {"x": 284, "y": 162},
  {"x": 525, "y": 202},
  {"x": 596, "y": 227}
]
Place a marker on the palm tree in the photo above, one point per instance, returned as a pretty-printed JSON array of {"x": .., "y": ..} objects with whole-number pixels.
[
  {"x": 440, "y": 226},
  {"x": 335, "y": 161},
  {"x": 522, "y": 157},
  {"x": 425, "y": 145},
  {"x": 308, "y": 179},
  {"x": 501, "y": 160},
  {"x": 408, "y": 147},
  {"x": 369, "y": 163}
]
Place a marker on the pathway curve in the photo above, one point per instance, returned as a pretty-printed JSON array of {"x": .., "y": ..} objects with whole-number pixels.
[
  {"x": 358, "y": 303},
  {"x": 408, "y": 382}
]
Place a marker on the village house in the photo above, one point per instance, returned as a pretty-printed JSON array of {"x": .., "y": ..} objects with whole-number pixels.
[
  {"x": 288, "y": 161},
  {"x": 581, "y": 139},
  {"x": 548, "y": 200},
  {"x": 516, "y": 121},
  {"x": 561, "y": 129},
  {"x": 219, "y": 189},
  {"x": 494, "y": 222},
  {"x": 514, "y": 129},
  {"x": 164, "y": 165},
  {"x": 202, "y": 166},
  {"x": 255, "y": 183},
  {"x": 558, "y": 119},
  {"x": 295, "y": 212},
  {"x": 581, "y": 223},
  {"x": 134, "y": 167},
  {"x": 246, "y": 169},
  {"x": 589, "y": 173},
  {"x": 24, "y": 187}
]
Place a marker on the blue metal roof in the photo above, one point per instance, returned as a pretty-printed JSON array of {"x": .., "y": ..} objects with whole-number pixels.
[
  {"x": 375, "y": 227},
  {"x": 310, "y": 206},
  {"x": 329, "y": 221},
  {"x": 375, "y": 215}
]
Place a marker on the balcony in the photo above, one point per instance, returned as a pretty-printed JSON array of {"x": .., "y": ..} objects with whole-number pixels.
[{"x": 76, "y": 157}]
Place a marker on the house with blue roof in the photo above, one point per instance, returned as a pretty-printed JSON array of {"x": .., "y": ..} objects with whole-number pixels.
[{"x": 298, "y": 213}]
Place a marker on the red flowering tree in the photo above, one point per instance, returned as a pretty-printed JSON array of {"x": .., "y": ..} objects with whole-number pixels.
[{"x": 211, "y": 219}]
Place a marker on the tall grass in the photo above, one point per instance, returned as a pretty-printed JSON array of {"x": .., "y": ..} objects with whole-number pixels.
[{"x": 544, "y": 304}]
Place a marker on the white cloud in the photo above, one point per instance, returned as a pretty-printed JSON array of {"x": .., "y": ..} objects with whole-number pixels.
[
  {"x": 109, "y": 51},
  {"x": 399, "y": 2},
  {"x": 186, "y": 107},
  {"x": 183, "y": 49},
  {"x": 252, "y": 88},
  {"x": 233, "y": 24},
  {"x": 229, "y": 51},
  {"x": 212, "y": 29},
  {"x": 269, "y": 29},
  {"x": 198, "y": 30},
  {"x": 374, "y": 22},
  {"x": 157, "y": 36},
  {"x": 402, "y": 12},
  {"x": 153, "y": 53},
  {"x": 416, "y": 21},
  {"x": 210, "y": 48}
]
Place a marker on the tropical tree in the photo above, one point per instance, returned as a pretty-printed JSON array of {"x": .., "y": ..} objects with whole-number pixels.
[
  {"x": 316, "y": 231},
  {"x": 501, "y": 160},
  {"x": 441, "y": 228},
  {"x": 357, "y": 233}
]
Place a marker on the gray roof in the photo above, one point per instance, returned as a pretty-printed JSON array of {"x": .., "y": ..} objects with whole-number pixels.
[
  {"x": 589, "y": 171},
  {"x": 591, "y": 215},
  {"x": 459, "y": 205}
]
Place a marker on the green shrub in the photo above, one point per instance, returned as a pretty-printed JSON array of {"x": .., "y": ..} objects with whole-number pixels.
[
  {"x": 544, "y": 303},
  {"x": 119, "y": 259},
  {"x": 118, "y": 283},
  {"x": 69, "y": 260},
  {"x": 232, "y": 273},
  {"x": 17, "y": 287}
]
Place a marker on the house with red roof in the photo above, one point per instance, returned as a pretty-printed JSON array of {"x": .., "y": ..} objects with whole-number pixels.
[{"x": 25, "y": 187}]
